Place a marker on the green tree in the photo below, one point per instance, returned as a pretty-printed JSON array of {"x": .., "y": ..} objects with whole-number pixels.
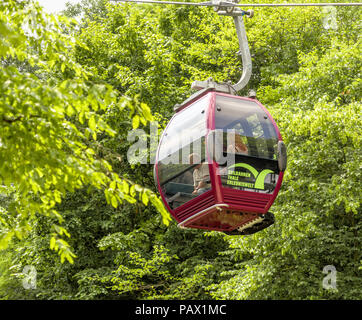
[
  {"x": 318, "y": 216},
  {"x": 50, "y": 120}
]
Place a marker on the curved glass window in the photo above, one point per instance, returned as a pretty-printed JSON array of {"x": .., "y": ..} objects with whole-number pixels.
[
  {"x": 182, "y": 169},
  {"x": 245, "y": 145},
  {"x": 250, "y": 124}
]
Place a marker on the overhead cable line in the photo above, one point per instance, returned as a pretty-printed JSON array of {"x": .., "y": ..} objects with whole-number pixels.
[{"x": 232, "y": 4}]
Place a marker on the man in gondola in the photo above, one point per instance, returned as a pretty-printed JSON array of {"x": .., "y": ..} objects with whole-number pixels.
[{"x": 201, "y": 174}]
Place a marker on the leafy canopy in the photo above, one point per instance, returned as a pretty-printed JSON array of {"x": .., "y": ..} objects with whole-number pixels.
[{"x": 51, "y": 114}]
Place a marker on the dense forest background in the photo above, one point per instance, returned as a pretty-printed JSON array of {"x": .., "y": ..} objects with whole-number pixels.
[{"x": 92, "y": 225}]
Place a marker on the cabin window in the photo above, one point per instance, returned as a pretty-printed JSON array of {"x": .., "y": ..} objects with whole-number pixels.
[
  {"x": 182, "y": 155},
  {"x": 245, "y": 145}
]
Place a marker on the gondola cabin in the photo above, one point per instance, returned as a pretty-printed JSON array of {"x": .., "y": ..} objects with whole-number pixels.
[{"x": 220, "y": 162}]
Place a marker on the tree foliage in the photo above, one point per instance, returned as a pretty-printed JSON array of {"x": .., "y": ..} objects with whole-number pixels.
[
  {"x": 65, "y": 118},
  {"x": 51, "y": 114}
]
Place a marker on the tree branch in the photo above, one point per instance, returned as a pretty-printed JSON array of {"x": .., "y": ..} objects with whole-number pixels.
[{"x": 12, "y": 120}]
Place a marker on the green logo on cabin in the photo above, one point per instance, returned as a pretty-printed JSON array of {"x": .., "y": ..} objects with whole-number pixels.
[{"x": 233, "y": 176}]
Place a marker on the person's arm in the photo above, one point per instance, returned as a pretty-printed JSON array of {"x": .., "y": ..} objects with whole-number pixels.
[
  {"x": 205, "y": 176},
  {"x": 196, "y": 184},
  {"x": 202, "y": 184}
]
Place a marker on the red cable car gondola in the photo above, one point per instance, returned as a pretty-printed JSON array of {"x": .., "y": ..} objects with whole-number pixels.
[
  {"x": 240, "y": 159},
  {"x": 221, "y": 159}
]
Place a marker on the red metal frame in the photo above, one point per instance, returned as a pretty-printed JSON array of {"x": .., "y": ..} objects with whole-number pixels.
[{"x": 221, "y": 208}]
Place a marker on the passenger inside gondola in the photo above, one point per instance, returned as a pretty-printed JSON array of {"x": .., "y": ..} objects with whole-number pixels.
[
  {"x": 236, "y": 144},
  {"x": 200, "y": 174}
]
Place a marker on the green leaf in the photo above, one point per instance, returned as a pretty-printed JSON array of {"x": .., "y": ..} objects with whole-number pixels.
[
  {"x": 125, "y": 186},
  {"x": 92, "y": 123},
  {"x": 114, "y": 201},
  {"x": 52, "y": 243},
  {"x": 145, "y": 198},
  {"x": 136, "y": 121},
  {"x": 112, "y": 185}
]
